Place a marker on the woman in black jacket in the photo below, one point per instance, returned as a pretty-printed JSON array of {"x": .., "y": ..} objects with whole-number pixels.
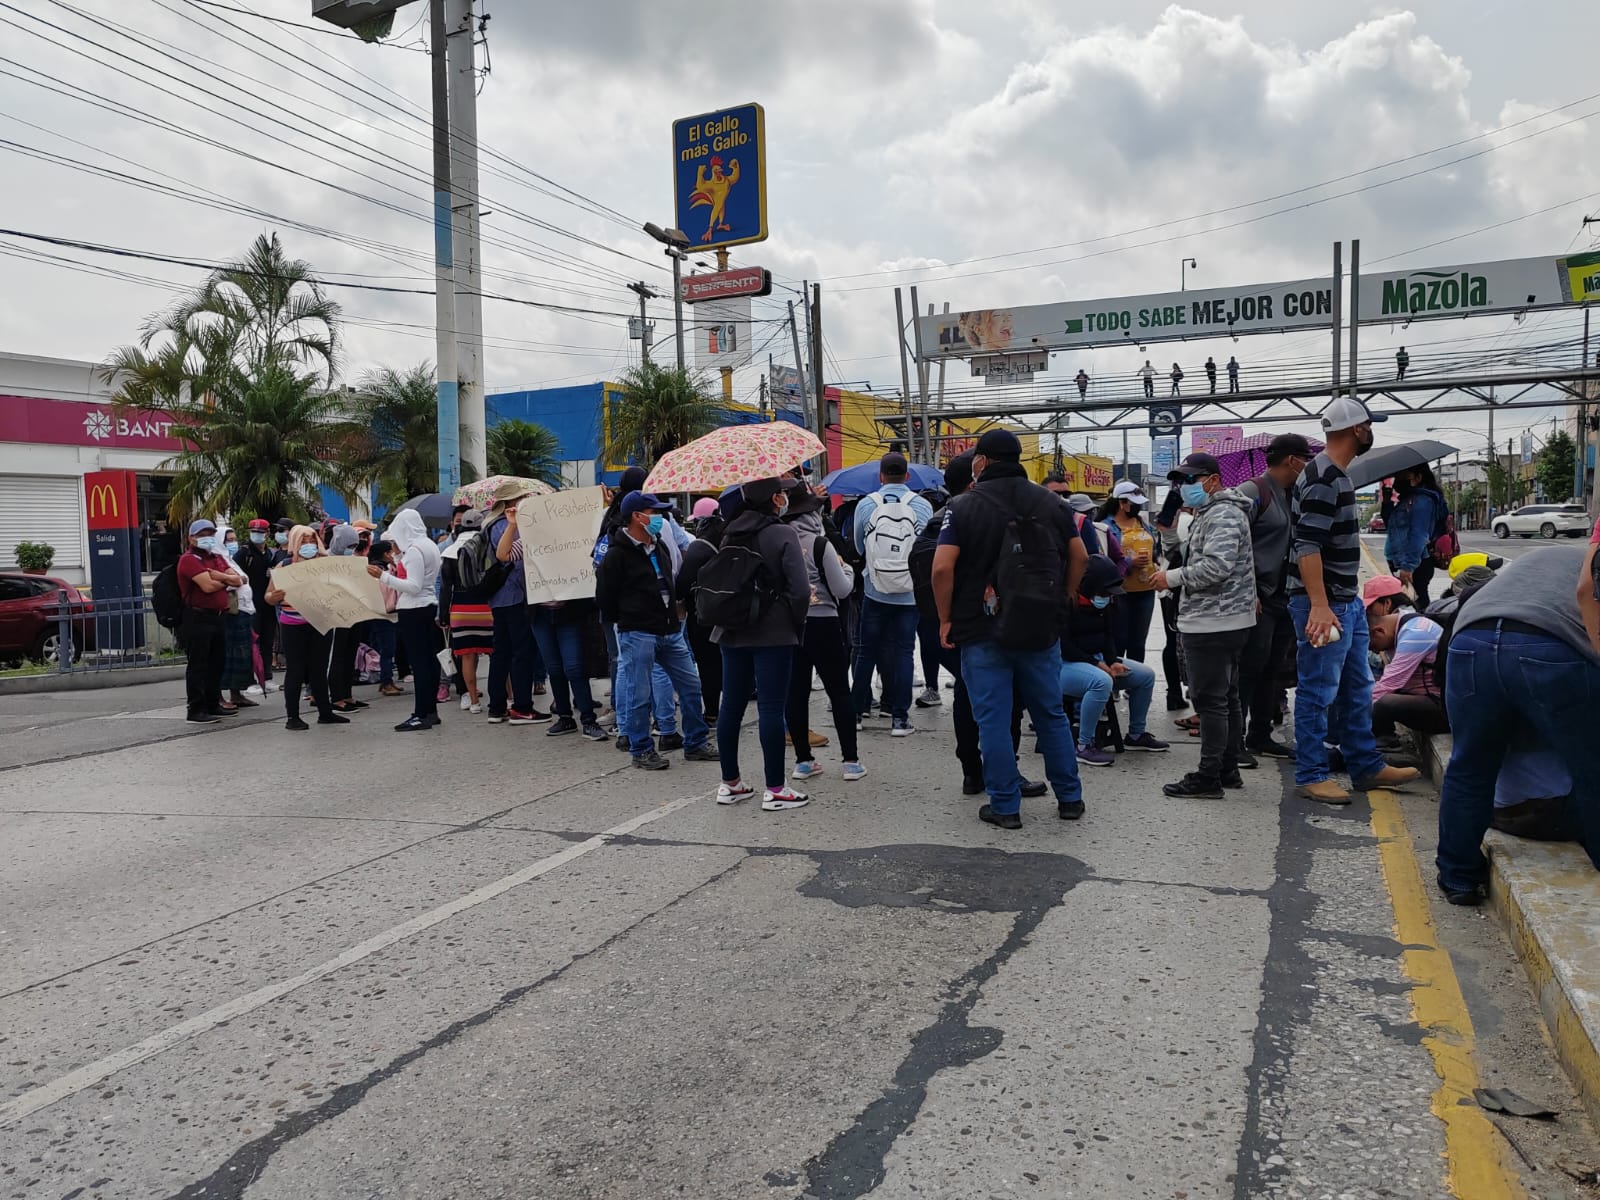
[{"x": 759, "y": 655}]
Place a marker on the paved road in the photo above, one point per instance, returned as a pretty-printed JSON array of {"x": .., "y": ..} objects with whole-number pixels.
[
  {"x": 1476, "y": 539},
  {"x": 485, "y": 963}
]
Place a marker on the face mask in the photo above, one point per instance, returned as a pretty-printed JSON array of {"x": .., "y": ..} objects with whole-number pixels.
[
  {"x": 258, "y": 539},
  {"x": 1100, "y": 601},
  {"x": 231, "y": 549},
  {"x": 208, "y": 544},
  {"x": 282, "y": 539},
  {"x": 1195, "y": 495},
  {"x": 654, "y": 525},
  {"x": 309, "y": 550},
  {"x": 781, "y": 509}
]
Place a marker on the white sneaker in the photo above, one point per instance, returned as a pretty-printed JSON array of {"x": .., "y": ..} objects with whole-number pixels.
[
  {"x": 732, "y": 794},
  {"x": 476, "y": 708},
  {"x": 807, "y": 770},
  {"x": 783, "y": 798},
  {"x": 852, "y": 771},
  {"x": 269, "y": 688},
  {"x": 255, "y": 689},
  {"x": 902, "y": 728},
  {"x": 466, "y": 704}
]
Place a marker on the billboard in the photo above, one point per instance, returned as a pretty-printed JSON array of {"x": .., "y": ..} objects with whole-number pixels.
[
  {"x": 1130, "y": 320},
  {"x": 722, "y": 333},
  {"x": 719, "y": 176},
  {"x": 1512, "y": 285},
  {"x": 1210, "y": 439},
  {"x": 785, "y": 388},
  {"x": 1163, "y": 456},
  {"x": 743, "y": 281}
]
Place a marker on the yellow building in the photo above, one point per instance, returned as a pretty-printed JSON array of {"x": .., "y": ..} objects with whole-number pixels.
[{"x": 865, "y": 423}]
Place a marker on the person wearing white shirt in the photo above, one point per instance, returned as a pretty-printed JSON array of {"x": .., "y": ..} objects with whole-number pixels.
[{"x": 412, "y": 580}]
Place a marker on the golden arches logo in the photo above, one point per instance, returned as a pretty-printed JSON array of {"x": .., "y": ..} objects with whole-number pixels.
[{"x": 103, "y": 496}]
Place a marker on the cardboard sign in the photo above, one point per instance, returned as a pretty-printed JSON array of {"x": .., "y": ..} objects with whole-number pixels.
[
  {"x": 558, "y": 533},
  {"x": 331, "y": 592}
]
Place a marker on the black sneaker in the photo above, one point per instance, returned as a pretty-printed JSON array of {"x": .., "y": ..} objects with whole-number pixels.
[
  {"x": 669, "y": 741},
  {"x": 1467, "y": 899},
  {"x": 561, "y": 725},
  {"x": 409, "y": 725},
  {"x": 1194, "y": 787},
  {"x": 1232, "y": 779},
  {"x": 1270, "y": 748},
  {"x": 332, "y": 718},
  {"x": 705, "y": 753},
  {"x": 295, "y": 725},
  {"x": 971, "y": 785},
  {"x": 1002, "y": 820},
  {"x": 1247, "y": 761},
  {"x": 594, "y": 733},
  {"x": 435, "y": 719},
  {"x": 203, "y": 718},
  {"x": 1072, "y": 810},
  {"x": 650, "y": 761},
  {"x": 1032, "y": 788}
]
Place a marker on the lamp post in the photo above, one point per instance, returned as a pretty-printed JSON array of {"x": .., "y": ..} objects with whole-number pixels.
[
  {"x": 1183, "y": 272},
  {"x": 1488, "y": 499},
  {"x": 677, "y": 245}
]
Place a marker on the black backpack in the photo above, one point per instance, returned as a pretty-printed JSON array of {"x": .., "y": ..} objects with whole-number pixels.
[
  {"x": 166, "y": 597},
  {"x": 1029, "y": 588},
  {"x": 479, "y": 571},
  {"x": 734, "y": 589},
  {"x": 921, "y": 564}
]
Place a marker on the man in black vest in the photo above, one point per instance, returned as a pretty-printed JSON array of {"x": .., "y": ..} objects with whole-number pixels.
[{"x": 964, "y": 569}]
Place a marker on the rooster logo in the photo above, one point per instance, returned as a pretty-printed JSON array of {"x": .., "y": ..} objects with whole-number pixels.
[{"x": 713, "y": 190}]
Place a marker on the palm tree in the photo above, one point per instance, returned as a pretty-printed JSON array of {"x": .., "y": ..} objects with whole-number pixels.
[
  {"x": 661, "y": 408},
  {"x": 400, "y": 452},
  {"x": 526, "y": 450}
]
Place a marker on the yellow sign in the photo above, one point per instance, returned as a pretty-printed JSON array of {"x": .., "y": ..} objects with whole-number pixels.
[
  {"x": 1088, "y": 473},
  {"x": 103, "y": 501},
  {"x": 1583, "y": 277}
]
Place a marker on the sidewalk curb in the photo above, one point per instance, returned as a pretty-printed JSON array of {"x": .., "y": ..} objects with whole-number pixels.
[
  {"x": 1547, "y": 895},
  {"x": 87, "y": 681}
]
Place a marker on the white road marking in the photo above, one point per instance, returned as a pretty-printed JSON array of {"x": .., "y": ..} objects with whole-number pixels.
[{"x": 102, "y": 1069}]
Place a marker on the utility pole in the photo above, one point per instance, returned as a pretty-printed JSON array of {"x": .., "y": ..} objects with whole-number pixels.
[
  {"x": 922, "y": 377},
  {"x": 1355, "y": 306},
  {"x": 800, "y": 366},
  {"x": 443, "y": 259},
  {"x": 1338, "y": 312},
  {"x": 461, "y": 34},
  {"x": 933, "y": 459},
  {"x": 905, "y": 376},
  {"x": 644, "y": 292},
  {"x": 727, "y": 372},
  {"x": 821, "y": 411},
  {"x": 1580, "y": 472},
  {"x": 762, "y": 406}
]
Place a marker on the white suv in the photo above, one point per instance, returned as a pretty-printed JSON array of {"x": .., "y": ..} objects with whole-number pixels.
[{"x": 1547, "y": 520}]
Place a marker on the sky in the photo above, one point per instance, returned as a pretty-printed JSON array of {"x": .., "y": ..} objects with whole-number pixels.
[{"x": 1008, "y": 153}]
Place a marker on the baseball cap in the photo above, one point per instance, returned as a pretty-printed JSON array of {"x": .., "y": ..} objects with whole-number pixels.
[
  {"x": 1195, "y": 465},
  {"x": 999, "y": 443},
  {"x": 1127, "y": 489},
  {"x": 203, "y": 525},
  {"x": 472, "y": 519},
  {"x": 704, "y": 506},
  {"x": 640, "y": 502},
  {"x": 1378, "y": 587},
  {"x": 1078, "y": 502},
  {"x": 893, "y": 464},
  {"x": 1287, "y": 445},
  {"x": 285, "y": 523},
  {"x": 258, "y": 523},
  {"x": 1346, "y": 412}
]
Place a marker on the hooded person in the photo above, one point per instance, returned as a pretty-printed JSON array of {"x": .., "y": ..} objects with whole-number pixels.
[
  {"x": 1215, "y": 617},
  {"x": 412, "y": 580}
]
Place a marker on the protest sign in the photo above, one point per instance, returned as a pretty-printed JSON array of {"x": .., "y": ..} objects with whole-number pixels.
[
  {"x": 558, "y": 533},
  {"x": 331, "y": 592}
]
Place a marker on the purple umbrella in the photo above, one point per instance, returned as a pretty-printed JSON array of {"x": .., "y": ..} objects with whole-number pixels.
[{"x": 1245, "y": 459}]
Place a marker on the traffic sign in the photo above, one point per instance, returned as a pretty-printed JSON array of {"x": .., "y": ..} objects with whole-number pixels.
[
  {"x": 719, "y": 165},
  {"x": 724, "y": 285},
  {"x": 1165, "y": 419}
]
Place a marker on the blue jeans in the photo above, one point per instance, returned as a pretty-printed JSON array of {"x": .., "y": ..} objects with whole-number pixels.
[
  {"x": 884, "y": 641},
  {"x": 380, "y": 635},
  {"x": 1334, "y": 693},
  {"x": 638, "y": 655},
  {"x": 765, "y": 668},
  {"x": 1501, "y": 688},
  {"x": 511, "y": 659},
  {"x": 1135, "y": 610},
  {"x": 989, "y": 672},
  {"x": 561, "y": 647},
  {"x": 1092, "y": 687},
  {"x": 666, "y": 713}
]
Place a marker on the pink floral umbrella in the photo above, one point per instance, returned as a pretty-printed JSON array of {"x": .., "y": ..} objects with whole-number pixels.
[
  {"x": 481, "y": 494},
  {"x": 733, "y": 454}
]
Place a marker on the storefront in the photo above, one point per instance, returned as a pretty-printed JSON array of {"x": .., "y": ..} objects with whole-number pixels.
[{"x": 57, "y": 424}]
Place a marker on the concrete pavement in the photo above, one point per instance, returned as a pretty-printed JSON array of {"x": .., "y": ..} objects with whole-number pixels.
[{"x": 245, "y": 962}]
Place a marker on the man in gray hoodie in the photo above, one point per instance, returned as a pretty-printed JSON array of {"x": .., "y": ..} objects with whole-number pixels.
[{"x": 1215, "y": 618}]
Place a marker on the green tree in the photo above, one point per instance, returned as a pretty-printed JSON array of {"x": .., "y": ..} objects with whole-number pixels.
[
  {"x": 661, "y": 409},
  {"x": 1558, "y": 463},
  {"x": 399, "y": 411},
  {"x": 526, "y": 450},
  {"x": 1499, "y": 485}
]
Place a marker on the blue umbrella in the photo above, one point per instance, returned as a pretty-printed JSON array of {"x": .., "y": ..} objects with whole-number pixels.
[{"x": 862, "y": 479}]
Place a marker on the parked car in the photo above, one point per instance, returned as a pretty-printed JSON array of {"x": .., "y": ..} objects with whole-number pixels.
[
  {"x": 1547, "y": 520},
  {"x": 30, "y": 626},
  {"x": 1375, "y": 525}
]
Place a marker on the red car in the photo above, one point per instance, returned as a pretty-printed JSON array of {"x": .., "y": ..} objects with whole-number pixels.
[
  {"x": 1375, "y": 525},
  {"x": 29, "y": 622}
]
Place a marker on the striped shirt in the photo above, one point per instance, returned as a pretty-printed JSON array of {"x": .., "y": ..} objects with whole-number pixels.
[{"x": 1325, "y": 522}]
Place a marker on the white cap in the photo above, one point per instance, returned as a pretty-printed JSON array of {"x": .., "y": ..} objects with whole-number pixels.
[
  {"x": 1346, "y": 412},
  {"x": 1127, "y": 489}
]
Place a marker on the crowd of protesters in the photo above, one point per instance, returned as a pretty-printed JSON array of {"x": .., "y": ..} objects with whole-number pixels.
[{"x": 1036, "y": 601}]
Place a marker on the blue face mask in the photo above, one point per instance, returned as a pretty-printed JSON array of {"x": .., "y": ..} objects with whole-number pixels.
[
  {"x": 655, "y": 525},
  {"x": 231, "y": 549},
  {"x": 1100, "y": 601},
  {"x": 282, "y": 539},
  {"x": 309, "y": 550},
  {"x": 208, "y": 544},
  {"x": 1195, "y": 495},
  {"x": 259, "y": 539}
]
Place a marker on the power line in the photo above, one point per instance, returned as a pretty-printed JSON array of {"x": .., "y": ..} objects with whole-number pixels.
[{"x": 324, "y": 29}]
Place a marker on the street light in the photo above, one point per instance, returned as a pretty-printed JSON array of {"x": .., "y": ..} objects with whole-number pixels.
[
  {"x": 1488, "y": 500},
  {"x": 676, "y": 243},
  {"x": 1183, "y": 272}
]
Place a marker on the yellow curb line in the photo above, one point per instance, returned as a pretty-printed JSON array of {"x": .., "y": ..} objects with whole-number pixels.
[{"x": 1477, "y": 1165}]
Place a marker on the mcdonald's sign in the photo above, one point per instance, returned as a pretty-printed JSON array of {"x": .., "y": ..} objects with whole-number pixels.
[{"x": 110, "y": 500}]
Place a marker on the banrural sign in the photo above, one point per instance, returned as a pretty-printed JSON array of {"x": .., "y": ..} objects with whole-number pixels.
[
  {"x": 1513, "y": 285},
  {"x": 1163, "y": 317}
]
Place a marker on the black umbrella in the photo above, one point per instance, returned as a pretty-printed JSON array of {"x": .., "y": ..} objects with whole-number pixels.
[
  {"x": 1382, "y": 463},
  {"x": 433, "y": 507}
]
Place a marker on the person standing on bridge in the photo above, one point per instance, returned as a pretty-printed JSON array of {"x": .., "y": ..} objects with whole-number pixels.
[
  {"x": 1082, "y": 380},
  {"x": 1233, "y": 374},
  {"x": 1148, "y": 374},
  {"x": 1402, "y": 360},
  {"x": 1211, "y": 374},
  {"x": 1177, "y": 378}
]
